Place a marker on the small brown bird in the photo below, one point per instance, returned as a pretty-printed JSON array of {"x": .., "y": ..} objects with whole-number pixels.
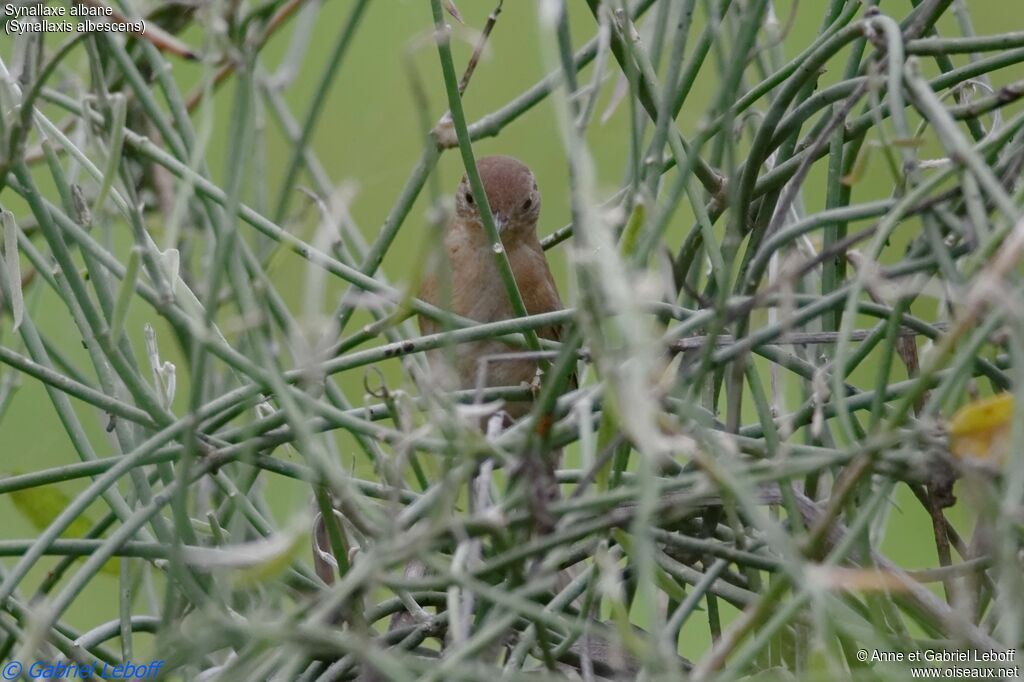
[{"x": 476, "y": 288}]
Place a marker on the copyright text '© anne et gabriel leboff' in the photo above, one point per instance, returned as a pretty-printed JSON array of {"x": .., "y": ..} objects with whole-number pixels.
[
  {"x": 937, "y": 656},
  {"x": 949, "y": 663},
  {"x": 45, "y": 18}
]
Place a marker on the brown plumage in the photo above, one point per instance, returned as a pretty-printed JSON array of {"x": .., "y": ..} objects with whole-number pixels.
[{"x": 476, "y": 289}]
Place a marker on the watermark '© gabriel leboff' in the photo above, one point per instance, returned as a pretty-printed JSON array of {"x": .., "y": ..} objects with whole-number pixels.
[{"x": 62, "y": 670}]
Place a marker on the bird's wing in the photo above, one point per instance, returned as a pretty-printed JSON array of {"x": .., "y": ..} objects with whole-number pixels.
[
  {"x": 555, "y": 334},
  {"x": 428, "y": 294},
  {"x": 540, "y": 295}
]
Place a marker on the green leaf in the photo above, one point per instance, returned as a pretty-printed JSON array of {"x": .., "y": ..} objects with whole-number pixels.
[
  {"x": 125, "y": 294},
  {"x": 117, "y": 123},
  {"x": 13, "y": 264},
  {"x": 253, "y": 563},
  {"x": 43, "y": 504},
  {"x": 632, "y": 231},
  {"x": 664, "y": 580}
]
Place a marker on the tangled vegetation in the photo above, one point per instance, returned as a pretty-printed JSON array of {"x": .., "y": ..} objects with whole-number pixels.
[{"x": 810, "y": 263}]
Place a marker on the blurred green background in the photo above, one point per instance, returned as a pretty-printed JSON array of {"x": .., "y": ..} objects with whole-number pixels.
[{"x": 369, "y": 135}]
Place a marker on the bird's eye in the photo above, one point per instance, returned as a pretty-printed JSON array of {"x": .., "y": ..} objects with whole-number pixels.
[
  {"x": 469, "y": 198},
  {"x": 527, "y": 204}
]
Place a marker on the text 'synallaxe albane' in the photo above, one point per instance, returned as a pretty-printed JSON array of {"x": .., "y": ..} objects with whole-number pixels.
[{"x": 44, "y": 18}]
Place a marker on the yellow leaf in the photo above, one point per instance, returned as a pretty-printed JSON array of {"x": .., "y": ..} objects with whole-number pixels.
[
  {"x": 981, "y": 429},
  {"x": 860, "y": 166},
  {"x": 857, "y": 579}
]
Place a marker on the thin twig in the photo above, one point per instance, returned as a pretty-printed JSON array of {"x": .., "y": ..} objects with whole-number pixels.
[
  {"x": 492, "y": 19},
  {"x": 790, "y": 339}
]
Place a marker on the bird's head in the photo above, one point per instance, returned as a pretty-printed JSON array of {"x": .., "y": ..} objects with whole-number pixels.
[{"x": 511, "y": 193}]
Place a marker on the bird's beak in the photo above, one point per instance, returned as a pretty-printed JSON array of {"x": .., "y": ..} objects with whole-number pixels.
[{"x": 500, "y": 221}]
